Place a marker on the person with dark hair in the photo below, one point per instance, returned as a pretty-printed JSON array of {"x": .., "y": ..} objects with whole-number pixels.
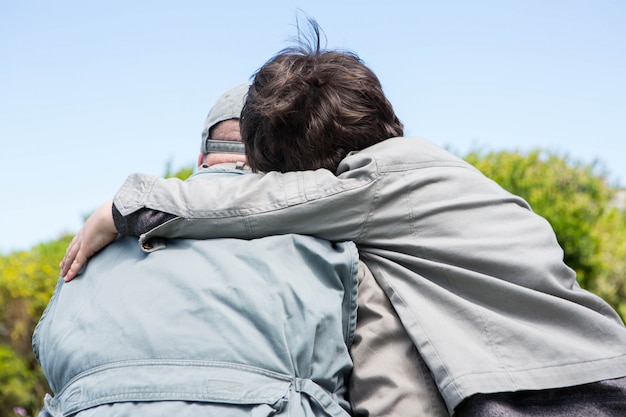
[
  {"x": 219, "y": 327},
  {"x": 476, "y": 278},
  {"x": 308, "y": 110}
]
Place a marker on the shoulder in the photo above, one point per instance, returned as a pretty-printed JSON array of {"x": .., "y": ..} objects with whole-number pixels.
[{"x": 407, "y": 153}]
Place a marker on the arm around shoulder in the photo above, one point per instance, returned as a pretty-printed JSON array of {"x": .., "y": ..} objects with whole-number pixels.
[{"x": 307, "y": 202}]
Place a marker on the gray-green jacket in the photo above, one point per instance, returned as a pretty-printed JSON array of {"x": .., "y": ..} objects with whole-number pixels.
[
  {"x": 203, "y": 328},
  {"x": 476, "y": 277}
]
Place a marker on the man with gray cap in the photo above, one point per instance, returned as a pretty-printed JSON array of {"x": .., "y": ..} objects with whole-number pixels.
[{"x": 222, "y": 327}]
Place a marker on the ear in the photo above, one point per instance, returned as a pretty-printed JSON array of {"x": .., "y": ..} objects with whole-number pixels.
[{"x": 200, "y": 159}]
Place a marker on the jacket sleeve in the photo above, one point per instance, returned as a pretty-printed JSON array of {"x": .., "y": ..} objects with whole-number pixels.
[
  {"x": 139, "y": 221},
  {"x": 249, "y": 206}
]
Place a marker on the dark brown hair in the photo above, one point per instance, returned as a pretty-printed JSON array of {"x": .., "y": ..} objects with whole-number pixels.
[{"x": 307, "y": 108}]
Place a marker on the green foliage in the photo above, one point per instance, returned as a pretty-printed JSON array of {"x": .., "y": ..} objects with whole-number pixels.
[
  {"x": 610, "y": 282},
  {"x": 17, "y": 383},
  {"x": 182, "y": 174},
  {"x": 576, "y": 200},
  {"x": 27, "y": 279}
]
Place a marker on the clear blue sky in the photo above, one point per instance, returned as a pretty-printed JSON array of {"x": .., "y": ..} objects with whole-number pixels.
[{"x": 93, "y": 91}]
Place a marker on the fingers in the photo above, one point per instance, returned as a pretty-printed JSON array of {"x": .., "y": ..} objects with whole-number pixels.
[
  {"x": 79, "y": 261},
  {"x": 70, "y": 254},
  {"x": 79, "y": 252},
  {"x": 75, "y": 257}
]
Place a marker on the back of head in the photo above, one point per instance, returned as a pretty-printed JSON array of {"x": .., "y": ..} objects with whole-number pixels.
[
  {"x": 227, "y": 107},
  {"x": 307, "y": 108}
]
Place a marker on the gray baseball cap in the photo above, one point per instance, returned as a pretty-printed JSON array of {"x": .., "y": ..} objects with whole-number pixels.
[{"x": 228, "y": 106}]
